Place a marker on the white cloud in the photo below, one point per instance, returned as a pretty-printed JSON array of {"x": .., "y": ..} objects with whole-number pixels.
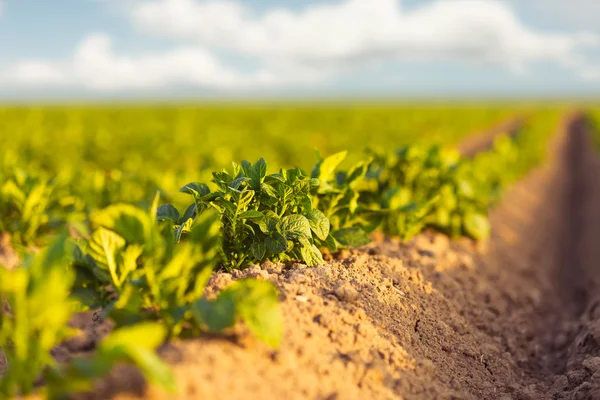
[
  {"x": 94, "y": 65},
  {"x": 308, "y": 46},
  {"x": 355, "y": 32},
  {"x": 37, "y": 73}
]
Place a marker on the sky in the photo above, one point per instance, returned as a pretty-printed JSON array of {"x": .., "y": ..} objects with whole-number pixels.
[{"x": 163, "y": 49}]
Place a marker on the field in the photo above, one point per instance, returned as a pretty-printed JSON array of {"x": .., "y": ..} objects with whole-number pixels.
[{"x": 362, "y": 252}]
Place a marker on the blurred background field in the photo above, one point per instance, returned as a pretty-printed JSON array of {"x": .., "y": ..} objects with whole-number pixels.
[{"x": 135, "y": 150}]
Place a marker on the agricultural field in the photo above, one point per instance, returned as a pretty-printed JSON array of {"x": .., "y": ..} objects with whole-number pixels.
[{"x": 299, "y": 251}]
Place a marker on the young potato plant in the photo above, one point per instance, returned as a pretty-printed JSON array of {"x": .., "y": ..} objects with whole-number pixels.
[
  {"x": 133, "y": 345},
  {"x": 34, "y": 311},
  {"x": 32, "y": 206},
  {"x": 34, "y": 319},
  {"x": 338, "y": 197},
  {"x": 433, "y": 187},
  {"x": 133, "y": 268},
  {"x": 263, "y": 217},
  {"x": 408, "y": 185}
]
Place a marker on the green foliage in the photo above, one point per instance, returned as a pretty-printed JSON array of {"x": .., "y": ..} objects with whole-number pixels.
[
  {"x": 128, "y": 345},
  {"x": 32, "y": 206},
  {"x": 255, "y": 302},
  {"x": 288, "y": 216},
  {"x": 263, "y": 216},
  {"x": 149, "y": 276},
  {"x": 338, "y": 199},
  {"x": 37, "y": 307},
  {"x": 34, "y": 317}
]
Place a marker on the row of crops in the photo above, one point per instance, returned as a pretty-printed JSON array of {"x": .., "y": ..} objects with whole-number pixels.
[{"x": 100, "y": 234}]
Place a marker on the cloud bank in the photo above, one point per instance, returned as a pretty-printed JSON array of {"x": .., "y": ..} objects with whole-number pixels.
[{"x": 310, "y": 46}]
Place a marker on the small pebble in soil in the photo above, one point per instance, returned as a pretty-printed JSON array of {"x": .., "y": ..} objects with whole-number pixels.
[
  {"x": 256, "y": 272},
  {"x": 346, "y": 292},
  {"x": 298, "y": 266},
  {"x": 592, "y": 364},
  {"x": 576, "y": 377},
  {"x": 220, "y": 281},
  {"x": 271, "y": 267},
  {"x": 297, "y": 278},
  {"x": 560, "y": 383}
]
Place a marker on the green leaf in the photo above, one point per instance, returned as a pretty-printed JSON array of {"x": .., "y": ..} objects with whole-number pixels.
[
  {"x": 87, "y": 296},
  {"x": 154, "y": 205},
  {"x": 268, "y": 190},
  {"x": 258, "y": 249},
  {"x": 167, "y": 211},
  {"x": 132, "y": 223},
  {"x": 236, "y": 183},
  {"x": 295, "y": 227},
  {"x": 311, "y": 255},
  {"x": 104, "y": 245},
  {"x": 324, "y": 171},
  {"x": 183, "y": 228},
  {"x": 156, "y": 371},
  {"x": 465, "y": 188},
  {"x": 251, "y": 214},
  {"x": 353, "y": 237},
  {"x": 318, "y": 223},
  {"x": 357, "y": 172},
  {"x": 276, "y": 243},
  {"x": 261, "y": 167},
  {"x": 256, "y": 173},
  {"x": 477, "y": 226},
  {"x": 206, "y": 230},
  {"x": 190, "y": 212},
  {"x": 331, "y": 243},
  {"x": 257, "y": 303},
  {"x": 147, "y": 335},
  {"x": 216, "y": 315},
  {"x": 196, "y": 189}
]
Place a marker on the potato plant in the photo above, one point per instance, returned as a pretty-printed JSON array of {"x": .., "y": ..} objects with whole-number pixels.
[
  {"x": 133, "y": 268},
  {"x": 263, "y": 216}
]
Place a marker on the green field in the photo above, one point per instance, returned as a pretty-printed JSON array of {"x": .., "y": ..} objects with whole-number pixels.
[{"x": 92, "y": 216}]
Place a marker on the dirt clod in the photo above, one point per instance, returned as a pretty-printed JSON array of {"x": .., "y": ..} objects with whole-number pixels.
[
  {"x": 346, "y": 292},
  {"x": 592, "y": 364}
]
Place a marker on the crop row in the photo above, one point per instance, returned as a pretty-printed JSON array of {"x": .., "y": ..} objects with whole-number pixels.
[
  {"x": 292, "y": 215},
  {"x": 146, "y": 268}
]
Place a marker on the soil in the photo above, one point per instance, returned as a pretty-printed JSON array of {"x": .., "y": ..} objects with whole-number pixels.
[{"x": 517, "y": 317}]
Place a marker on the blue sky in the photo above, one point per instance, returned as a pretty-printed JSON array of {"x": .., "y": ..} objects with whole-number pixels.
[{"x": 298, "y": 48}]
